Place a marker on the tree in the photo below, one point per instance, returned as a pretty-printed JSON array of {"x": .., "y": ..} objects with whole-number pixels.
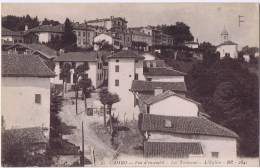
[
  {"x": 103, "y": 97},
  {"x": 55, "y": 43},
  {"x": 65, "y": 75},
  {"x": 180, "y": 32},
  {"x": 79, "y": 72},
  {"x": 229, "y": 94},
  {"x": 68, "y": 38},
  {"x": 85, "y": 83},
  {"x": 111, "y": 99},
  {"x": 50, "y": 22},
  {"x": 104, "y": 45},
  {"x": 17, "y": 23}
]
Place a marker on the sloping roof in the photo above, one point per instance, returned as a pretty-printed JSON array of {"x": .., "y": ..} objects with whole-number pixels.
[
  {"x": 46, "y": 28},
  {"x": 138, "y": 32},
  {"x": 126, "y": 54},
  {"x": 162, "y": 71},
  {"x": 150, "y": 86},
  {"x": 30, "y": 135},
  {"x": 105, "y": 19},
  {"x": 172, "y": 149},
  {"x": 14, "y": 65},
  {"x": 185, "y": 125},
  {"x": 41, "y": 48},
  {"x": 165, "y": 95},
  {"x": 110, "y": 35},
  {"x": 227, "y": 43},
  {"x": 7, "y": 32},
  {"x": 77, "y": 57}
]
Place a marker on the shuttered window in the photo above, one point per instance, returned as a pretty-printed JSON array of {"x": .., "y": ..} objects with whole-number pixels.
[{"x": 38, "y": 98}]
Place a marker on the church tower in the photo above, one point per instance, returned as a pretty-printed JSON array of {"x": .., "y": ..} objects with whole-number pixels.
[{"x": 224, "y": 36}]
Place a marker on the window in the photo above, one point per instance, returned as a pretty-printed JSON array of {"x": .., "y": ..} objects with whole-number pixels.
[
  {"x": 168, "y": 123},
  {"x": 73, "y": 65},
  {"x": 214, "y": 154},
  {"x": 136, "y": 61},
  {"x": 60, "y": 77},
  {"x": 117, "y": 68},
  {"x": 98, "y": 77},
  {"x": 116, "y": 82},
  {"x": 117, "y": 60},
  {"x": 38, "y": 98},
  {"x": 136, "y": 76},
  {"x": 78, "y": 33},
  {"x": 84, "y": 34},
  {"x": 148, "y": 109},
  {"x": 61, "y": 65},
  {"x": 74, "y": 78}
]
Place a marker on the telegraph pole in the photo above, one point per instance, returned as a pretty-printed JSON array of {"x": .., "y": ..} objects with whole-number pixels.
[{"x": 82, "y": 145}]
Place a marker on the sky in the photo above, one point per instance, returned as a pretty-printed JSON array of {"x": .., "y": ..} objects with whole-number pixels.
[{"x": 206, "y": 20}]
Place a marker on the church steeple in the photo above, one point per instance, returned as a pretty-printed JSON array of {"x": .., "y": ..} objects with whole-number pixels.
[{"x": 224, "y": 35}]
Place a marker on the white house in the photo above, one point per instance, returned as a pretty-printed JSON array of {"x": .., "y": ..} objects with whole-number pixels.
[
  {"x": 176, "y": 105},
  {"x": 46, "y": 32},
  {"x": 124, "y": 67},
  {"x": 191, "y": 44},
  {"x": 148, "y": 56},
  {"x": 246, "y": 57},
  {"x": 227, "y": 47},
  {"x": 185, "y": 137},
  {"x": 25, "y": 92},
  {"x": 163, "y": 74},
  {"x": 105, "y": 37},
  {"x": 94, "y": 60}
]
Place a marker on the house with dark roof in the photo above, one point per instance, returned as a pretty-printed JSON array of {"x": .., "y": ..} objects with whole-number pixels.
[
  {"x": 10, "y": 37},
  {"x": 140, "y": 40},
  {"x": 25, "y": 91},
  {"x": 227, "y": 47},
  {"x": 93, "y": 59},
  {"x": 186, "y": 137},
  {"x": 39, "y": 49}
]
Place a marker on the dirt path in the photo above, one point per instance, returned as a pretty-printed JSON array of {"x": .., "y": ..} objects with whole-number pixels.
[{"x": 68, "y": 115}]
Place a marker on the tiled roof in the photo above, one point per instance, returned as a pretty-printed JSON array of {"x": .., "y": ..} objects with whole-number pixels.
[
  {"x": 41, "y": 48},
  {"x": 137, "y": 32},
  {"x": 105, "y": 19},
  {"x": 185, "y": 125},
  {"x": 164, "y": 95},
  {"x": 46, "y": 28},
  {"x": 77, "y": 57},
  {"x": 14, "y": 65},
  {"x": 142, "y": 97},
  {"x": 126, "y": 54},
  {"x": 224, "y": 32},
  {"x": 150, "y": 86},
  {"x": 228, "y": 43},
  {"x": 25, "y": 135},
  {"x": 172, "y": 149},
  {"x": 162, "y": 71},
  {"x": 7, "y": 32}
]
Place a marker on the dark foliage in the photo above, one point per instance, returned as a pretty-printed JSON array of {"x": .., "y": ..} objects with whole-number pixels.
[
  {"x": 68, "y": 38},
  {"x": 50, "y": 22},
  {"x": 17, "y": 23},
  {"x": 229, "y": 94}
]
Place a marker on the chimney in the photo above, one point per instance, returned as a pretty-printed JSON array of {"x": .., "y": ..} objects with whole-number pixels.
[
  {"x": 157, "y": 91},
  {"x": 26, "y": 27},
  {"x": 197, "y": 40},
  {"x": 111, "y": 17}
]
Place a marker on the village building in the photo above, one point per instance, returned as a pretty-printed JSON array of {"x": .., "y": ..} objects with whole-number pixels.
[
  {"x": 93, "y": 59},
  {"x": 163, "y": 74},
  {"x": 10, "y": 37},
  {"x": 124, "y": 67},
  {"x": 167, "y": 40},
  {"x": 227, "y": 47},
  {"x": 140, "y": 40},
  {"x": 186, "y": 137},
  {"x": 26, "y": 82},
  {"x": 46, "y": 32},
  {"x": 191, "y": 44},
  {"x": 39, "y": 49},
  {"x": 107, "y": 37}
]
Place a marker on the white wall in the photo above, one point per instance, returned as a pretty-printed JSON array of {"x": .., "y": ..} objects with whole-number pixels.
[
  {"x": 125, "y": 108},
  {"x": 176, "y": 106},
  {"x": 44, "y": 37},
  {"x": 92, "y": 73},
  {"x": 231, "y": 49},
  {"x": 166, "y": 78},
  {"x": 227, "y": 147},
  {"x": 148, "y": 56},
  {"x": 192, "y": 45},
  {"x": 18, "y": 102}
]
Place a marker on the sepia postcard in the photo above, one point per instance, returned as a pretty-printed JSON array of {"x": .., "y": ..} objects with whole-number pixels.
[{"x": 129, "y": 84}]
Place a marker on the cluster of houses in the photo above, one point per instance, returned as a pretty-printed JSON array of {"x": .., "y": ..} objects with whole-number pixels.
[{"x": 173, "y": 125}]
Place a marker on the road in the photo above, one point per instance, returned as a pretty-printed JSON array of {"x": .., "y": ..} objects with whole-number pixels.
[{"x": 68, "y": 115}]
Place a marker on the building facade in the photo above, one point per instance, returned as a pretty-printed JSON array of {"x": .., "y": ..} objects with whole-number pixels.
[{"x": 25, "y": 81}]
